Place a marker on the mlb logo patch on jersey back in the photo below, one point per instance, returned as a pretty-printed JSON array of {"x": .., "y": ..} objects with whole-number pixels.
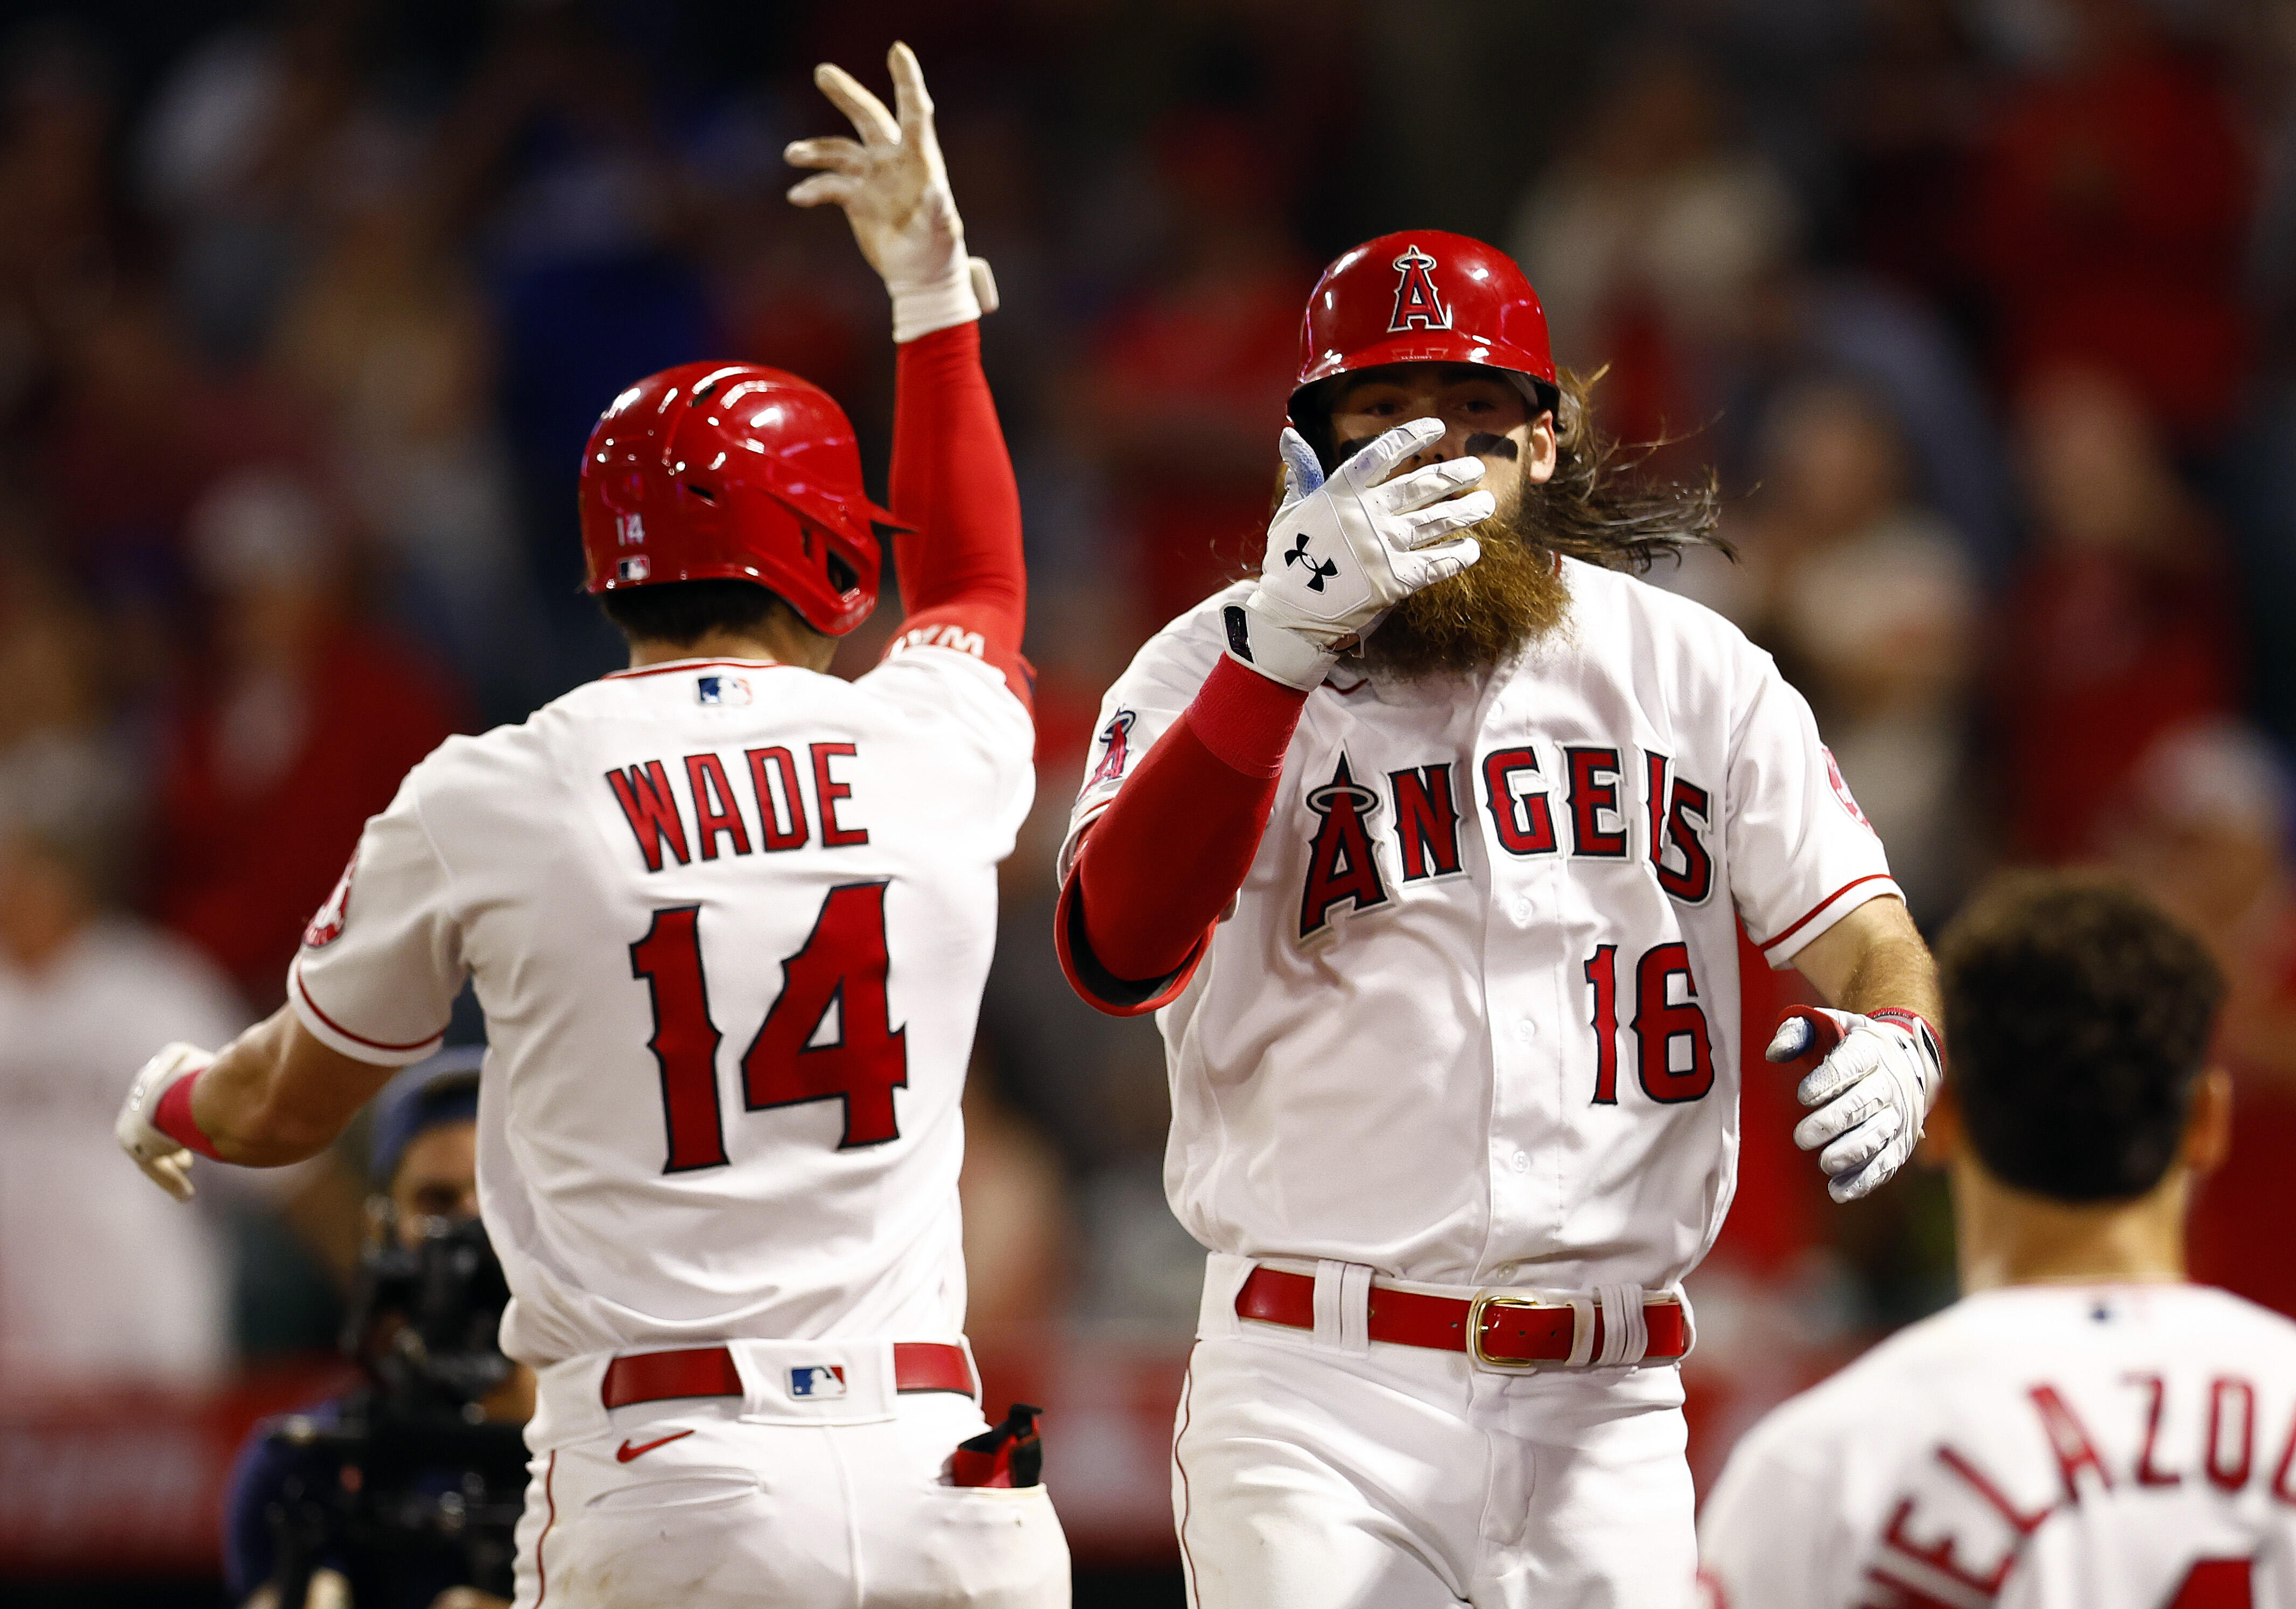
[
  {"x": 721, "y": 689},
  {"x": 817, "y": 1382}
]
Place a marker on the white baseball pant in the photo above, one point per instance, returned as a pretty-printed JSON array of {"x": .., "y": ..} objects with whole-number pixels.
[
  {"x": 710, "y": 1503},
  {"x": 1310, "y": 1473}
]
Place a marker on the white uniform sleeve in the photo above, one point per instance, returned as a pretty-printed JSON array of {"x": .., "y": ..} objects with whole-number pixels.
[
  {"x": 975, "y": 695},
  {"x": 382, "y": 961},
  {"x": 1160, "y": 683},
  {"x": 1769, "y": 1536},
  {"x": 1801, "y": 853}
]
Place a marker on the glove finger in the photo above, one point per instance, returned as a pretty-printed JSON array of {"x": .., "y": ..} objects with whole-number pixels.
[
  {"x": 1431, "y": 525},
  {"x": 824, "y": 187},
  {"x": 1432, "y": 484},
  {"x": 1838, "y": 1116},
  {"x": 1302, "y": 470},
  {"x": 1425, "y": 566},
  {"x": 912, "y": 105},
  {"x": 1371, "y": 465},
  {"x": 171, "y": 1172},
  {"x": 1853, "y": 1060},
  {"x": 984, "y": 283},
  {"x": 1862, "y": 1143},
  {"x": 871, "y": 121},
  {"x": 835, "y": 152},
  {"x": 1860, "y": 1182},
  {"x": 1791, "y": 1042}
]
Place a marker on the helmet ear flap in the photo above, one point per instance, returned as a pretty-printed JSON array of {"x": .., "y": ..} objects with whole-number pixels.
[{"x": 843, "y": 576}]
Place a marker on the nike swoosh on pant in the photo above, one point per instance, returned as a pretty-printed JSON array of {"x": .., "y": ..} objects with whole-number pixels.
[{"x": 626, "y": 1452}]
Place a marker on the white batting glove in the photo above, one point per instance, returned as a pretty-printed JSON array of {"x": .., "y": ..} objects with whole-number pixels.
[
  {"x": 1342, "y": 553},
  {"x": 168, "y": 1163},
  {"x": 1873, "y": 1086},
  {"x": 894, "y": 188}
]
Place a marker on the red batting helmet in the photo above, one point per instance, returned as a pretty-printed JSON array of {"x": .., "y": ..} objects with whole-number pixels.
[
  {"x": 1422, "y": 295},
  {"x": 732, "y": 471}
]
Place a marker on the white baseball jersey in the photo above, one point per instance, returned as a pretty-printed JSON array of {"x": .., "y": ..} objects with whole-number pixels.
[
  {"x": 2041, "y": 1447},
  {"x": 1474, "y": 1017},
  {"x": 729, "y": 922}
]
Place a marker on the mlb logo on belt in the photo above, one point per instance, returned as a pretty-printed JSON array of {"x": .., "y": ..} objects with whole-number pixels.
[
  {"x": 820, "y": 1380},
  {"x": 722, "y": 689}
]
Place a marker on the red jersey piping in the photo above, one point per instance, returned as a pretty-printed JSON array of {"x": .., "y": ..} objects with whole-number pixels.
[
  {"x": 304, "y": 989},
  {"x": 1816, "y": 910},
  {"x": 638, "y": 670}
]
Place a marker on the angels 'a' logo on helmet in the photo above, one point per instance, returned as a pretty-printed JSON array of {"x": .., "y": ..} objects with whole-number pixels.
[
  {"x": 327, "y": 926},
  {"x": 1417, "y": 306}
]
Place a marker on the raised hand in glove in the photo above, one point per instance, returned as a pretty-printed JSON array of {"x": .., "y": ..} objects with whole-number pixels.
[
  {"x": 1342, "y": 553},
  {"x": 160, "y": 1155},
  {"x": 1875, "y": 1079},
  {"x": 894, "y": 188}
]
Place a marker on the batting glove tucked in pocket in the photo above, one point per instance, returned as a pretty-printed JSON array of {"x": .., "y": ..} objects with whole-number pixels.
[
  {"x": 1876, "y": 1080},
  {"x": 1343, "y": 552}
]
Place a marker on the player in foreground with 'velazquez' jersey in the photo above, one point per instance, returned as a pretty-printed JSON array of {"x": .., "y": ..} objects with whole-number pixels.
[
  {"x": 2082, "y": 1430},
  {"x": 729, "y": 918},
  {"x": 1445, "y": 940}
]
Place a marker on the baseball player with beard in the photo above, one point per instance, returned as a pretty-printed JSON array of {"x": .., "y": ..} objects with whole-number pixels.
[
  {"x": 729, "y": 918},
  {"x": 2083, "y": 1429},
  {"x": 1429, "y": 846}
]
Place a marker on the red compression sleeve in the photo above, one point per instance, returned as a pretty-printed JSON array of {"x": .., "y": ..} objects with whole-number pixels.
[
  {"x": 953, "y": 481},
  {"x": 1161, "y": 862},
  {"x": 173, "y": 1117}
]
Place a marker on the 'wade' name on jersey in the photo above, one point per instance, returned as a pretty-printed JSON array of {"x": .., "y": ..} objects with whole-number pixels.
[{"x": 658, "y": 800}]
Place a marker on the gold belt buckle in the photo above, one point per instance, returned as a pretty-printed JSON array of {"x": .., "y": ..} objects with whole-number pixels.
[{"x": 1582, "y": 1319}]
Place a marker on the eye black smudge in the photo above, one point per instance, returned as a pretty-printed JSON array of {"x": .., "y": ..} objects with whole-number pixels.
[{"x": 1482, "y": 443}]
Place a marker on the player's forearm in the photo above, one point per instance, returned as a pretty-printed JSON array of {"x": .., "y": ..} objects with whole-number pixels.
[
  {"x": 952, "y": 478},
  {"x": 1873, "y": 960},
  {"x": 1163, "y": 860},
  {"x": 277, "y": 1096}
]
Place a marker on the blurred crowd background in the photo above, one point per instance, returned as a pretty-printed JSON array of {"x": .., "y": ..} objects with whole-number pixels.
[{"x": 1984, "y": 310}]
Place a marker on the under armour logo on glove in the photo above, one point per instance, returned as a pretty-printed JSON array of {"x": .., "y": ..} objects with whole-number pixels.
[{"x": 1318, "y": 571}]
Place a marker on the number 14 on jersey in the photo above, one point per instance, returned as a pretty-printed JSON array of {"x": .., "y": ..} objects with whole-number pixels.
[{"x": 842, "y": 966}]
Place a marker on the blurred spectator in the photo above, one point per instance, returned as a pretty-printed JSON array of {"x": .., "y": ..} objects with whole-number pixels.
[
  {"x": 2202, "y": 826},
  {"x": 2119, "y": 624},
  {"x": 298, "y": 731},
  {"x": 1184, "y": 386},
  {"x": 1872, "y": 608},
  {"x": 1017, "y": 1258},
  {"x": 390, "y": 337},
  {"x": 2113, "y": 204},
  {"x": 1649, "y": 243},
  {"x": 100, "y": 1283},
  {"x": 1912, "y": 113}
]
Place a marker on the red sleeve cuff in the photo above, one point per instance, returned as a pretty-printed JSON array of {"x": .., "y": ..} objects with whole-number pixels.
[
  {"x": 173, "y": 1118},
  {"x": 1100, "y": 989},
  {"x": 1245, "y": 719},
  {"x": 983, "y": 631}
]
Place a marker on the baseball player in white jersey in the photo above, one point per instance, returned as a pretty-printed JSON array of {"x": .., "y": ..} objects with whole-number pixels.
[
  {"x": 729, "y": 919},
  {"x": 1443, "y": 937},
  {"x": 2082, "y": 1430}
]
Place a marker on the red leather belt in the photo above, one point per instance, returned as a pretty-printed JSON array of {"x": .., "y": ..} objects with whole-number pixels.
[
  {"x": 1511, "y": 1329},
  {"x": 709, "y": 1371}
]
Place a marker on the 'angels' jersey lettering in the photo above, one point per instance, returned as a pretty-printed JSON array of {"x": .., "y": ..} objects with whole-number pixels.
[
  {"x": 729, "y": 924},
  {"x": 1473, "y": 1017},
  {"x": 2119, "y": 1447}
]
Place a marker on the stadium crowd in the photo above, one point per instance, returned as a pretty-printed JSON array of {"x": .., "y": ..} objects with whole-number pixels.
[{"x": 1983, "y": 311}]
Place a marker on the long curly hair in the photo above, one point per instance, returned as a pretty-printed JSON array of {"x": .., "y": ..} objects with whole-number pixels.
[{"x": 1599, "y": 506}]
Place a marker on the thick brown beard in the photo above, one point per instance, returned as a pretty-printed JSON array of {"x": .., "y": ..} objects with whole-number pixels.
[{"x": 1513, "y": 594}]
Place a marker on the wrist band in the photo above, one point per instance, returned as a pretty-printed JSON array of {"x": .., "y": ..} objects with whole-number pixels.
[
  {"x": 1914, "y": 1023},
  {"x": 173, "y": 1118}
]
